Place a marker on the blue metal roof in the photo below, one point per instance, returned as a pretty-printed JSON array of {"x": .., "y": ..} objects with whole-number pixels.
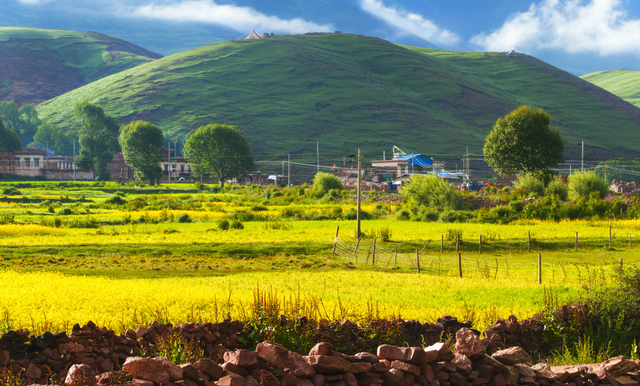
[{"x": 417, "y": 160}]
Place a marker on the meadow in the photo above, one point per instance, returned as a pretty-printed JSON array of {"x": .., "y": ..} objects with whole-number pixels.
[{"x": 69, "y": 254}]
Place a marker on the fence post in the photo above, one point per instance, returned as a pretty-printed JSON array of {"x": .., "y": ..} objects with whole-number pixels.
[
  {"x": 395, "y": 257},
  {"x": 529, "y": 242},
  {"x": 576, "y": 241},
  {"x": 457, "y": 243},
  {"x": 460, "y": 264},
  {"x": 480, "y": 244},
  {"x": 335, "y": 241},
  {"x": 621, "y": 267},
  {"x": 373, "y": 256},
  {"x": 629, "y": 241},
  {"x": 539, "y": 268},
  {"x": 609, "y": 236},
  {"x": 355, "y": 252},
  {"x": 368, "y": 254},
  {"x": 441, "y": 243},
  {"x": 418, "y": 260}
]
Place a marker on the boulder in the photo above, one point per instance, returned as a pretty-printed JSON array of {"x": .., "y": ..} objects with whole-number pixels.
[
  {"x": 148, "y": 369},
  {"x": 512, "y": 356},
  {"x": 289, "y": 380},
  {"x": 393, "y": 377},
  {"x": 209, "y": 367},
  {"x": 406, "y": 367},
  {"x": 249, "y": 380},
  {"x": 414, "y": 355},
  {"x": 298, "y": 366},
  {"x": 243, "y": 358},
  {"x": 525, "y": 371},
  {"x": 325, "y": 364},
  {"x": 438, "y": 352},
  {"x": 175, "y": 372},
  {"x": 359, "y": 367},
  {"x": 543, "y": 371},
  {"x": 366, "y": 357},
  {"x": 322, "y": 348},
  {"x": 350, "y": 379},
  {"x": 467, "y": 343},
  {"x": 265, "y": 378},
  {"x": 231, "y": 380},
  {"x": 276, "y": 355},
  {"x": 463, "y": 364},
  {"x": 80, "y": 375},
  {"x": 32, "y": 372}
]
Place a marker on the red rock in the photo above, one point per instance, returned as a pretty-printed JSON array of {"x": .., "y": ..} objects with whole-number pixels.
[
  {"x": 105, "y": 366},
  {"x": 543, "y": 371},
  {"x": 438, "y": 352},
  {"x": 322, "y": 348},
  {"x": 142, "y": 382},
  {"x": 32, "y": 372},
  {"x": 298, "y": 366},
  {"x": 480, "y": 381},
  {"x": 350, "y": 380},
  {"x": 359, "y": 367},
  {"x": 325, "y": 364},
  {"x": 80, "y": 375},
  {"x": 524, "y": 380},
  {"x": 463, "y": 364},
  {"x": 275, "y": 354},
  {"x": 442, "y": 376},
  {"x": 498, "y": 380},
  {"x": 458, "y": 379},
  {"x": 141, "y": 331},
  {"x": 74, "y": 348},
  {"x": 265, "y": 378},
  {"x": 525, "y": 371},
  {"x": 243, "y": 358},
  {"x": 209, "y": 367},
  {"x": 230, "y": 367},
  {"x": 512, "y": 356},
  {"x": 409, "y": 379},
  {"x": 427, "y": 372},
  {"x": 249, "y": 380},
  {"x": 148, "y": 369},
  {"x": 186, "y": 382},
  {"x": 393, "y": 377},
  {"x": 189, "y": 372},
  {"x": 289, "y": 380},
  {"x": 484, "y": 371},
  {"x": 467, "y": 343},
  {"x": 174, "y": 371},
  {"x": 415, "y": 370},
  {"x": 366, "y": 357},
  {"x": 317, "y": 380},
  {"x": 625, "y": 380},
  {"x": 302, "y": 382},
  {"x": 510, "y": 375},
  {"x": 415, "y": 355},
  {"x": 231, "y": 380}
]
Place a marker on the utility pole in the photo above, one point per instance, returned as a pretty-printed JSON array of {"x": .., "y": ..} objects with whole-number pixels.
[
  {"x": 318, "y": 154},
  {"x": 384, "y": 155},
  {"x": 582, "y": 167},
  {"x": 358, "y": 193},
  {"x": 74, "y": 160},
  {"x": 169, "y": 168},
  {"x": 288, "y": 171}
]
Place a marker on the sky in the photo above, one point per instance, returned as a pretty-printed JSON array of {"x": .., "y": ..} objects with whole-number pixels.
[{"x": 579, "y": 36}]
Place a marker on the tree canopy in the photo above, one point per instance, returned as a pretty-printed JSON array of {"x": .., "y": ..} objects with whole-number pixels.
[
  {"x": 142, "y": 146},
  {"x": 523, "y": 142},
  {"x": 50, "y": 137},
  {"x": 24, "y": 120},
  {"x": 98, "y": 138},
  {"x": 218, "y": 150},
  {"x": 9, "y": 140}
]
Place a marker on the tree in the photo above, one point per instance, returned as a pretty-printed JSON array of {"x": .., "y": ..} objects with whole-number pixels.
[
  {"x": 326, "y": 181},
  {"x": 9, "y": 140},
  {"x": 98, "y": 138},
  {"x": 51, "y": 138},
  {"x": 142, "y": 146},
  {"x": 433, "y": 192},
  {"x": 24, "y": 120},
  {"x": 523, "y": 142},
  {"x": 219, "y": 150}
]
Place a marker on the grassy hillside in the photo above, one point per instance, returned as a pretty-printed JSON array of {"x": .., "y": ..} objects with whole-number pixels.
[
  {"x": 36, "y": 64},
  {"x": 348, "y": 91},
  {"x": 623, "y": 83}
]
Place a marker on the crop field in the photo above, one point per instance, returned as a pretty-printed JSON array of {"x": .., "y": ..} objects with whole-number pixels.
[{"x": 73, "y": 253}]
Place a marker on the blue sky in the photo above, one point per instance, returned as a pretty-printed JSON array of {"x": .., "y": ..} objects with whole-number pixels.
[{"x": 576, "y": 35}]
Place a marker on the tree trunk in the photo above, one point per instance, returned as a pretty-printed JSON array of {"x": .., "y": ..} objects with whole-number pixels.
[{"x": 221, "y": 182}]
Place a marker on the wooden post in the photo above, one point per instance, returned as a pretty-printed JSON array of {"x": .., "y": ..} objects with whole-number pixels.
[
  {"x": 576, "y": 241},
  {"x": 418, "y": 260},
  {"x": 457, "y": 243},
  {"x": 395, "y": 257},
  {"x": 621, "y": 266},
  {"x": 355, "y": 252},
  {"x": 529, "y": 242},
  {"x": 539, "y": 268},
  {"x": 373, "y": 256},
  {"x": 609, "y": 236},
  {"x": 480, "y": 244},
  {"x": 441, "y": 243},
  {"x": 460, "y": 264},
  {"x": 335, "y": 241},
  {"x": 368, "y": 254}
]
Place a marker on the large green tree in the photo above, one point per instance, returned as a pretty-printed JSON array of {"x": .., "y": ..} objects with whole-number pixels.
[
  {"x": 9, "y": 140},
  {"x": 522, "y": 141},
  {"x": 98, "y": 138},
  {"x": 23, "y": 120},
  {"x": 50, "y": 137},
  {"x": 218, "y": 150},
  {"x": 142, "y": 146}
]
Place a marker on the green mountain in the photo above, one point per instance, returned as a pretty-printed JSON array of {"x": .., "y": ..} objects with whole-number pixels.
[
  {"x": 623, "y": 83},
  {"x": 37, "y": 64},
  {"x": 347, "y": 91}
]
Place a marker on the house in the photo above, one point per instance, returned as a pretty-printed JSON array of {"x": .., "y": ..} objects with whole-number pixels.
[
  {"x": 401, "y": 168},
  {"x": 27, "y": 162}
]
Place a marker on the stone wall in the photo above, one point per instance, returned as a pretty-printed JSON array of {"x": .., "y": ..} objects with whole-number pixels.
[{"x": 67, "y": 175}]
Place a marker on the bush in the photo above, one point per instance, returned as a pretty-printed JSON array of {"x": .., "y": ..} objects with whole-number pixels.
[
  {"x": 558, "y": 188},
  {"x": 384, "y": 234},
  {"x": 582, "y": 184},
  {"x": 456, "y": 216},
  {"x": 64, "y": 211},
  {"x": 351, "y": 214},
  {"x": 325, "y": 182},
  {"x": 116, "y": 200},
  {"x": 532, "y": 184},
  {"x": 403, "y": 215},
  {"x": 235, "y": 224},
  {"x": 433, "y": 192},
  {"x": 223, "y": 225},
  {"x": 11, "y": 191},
  {"x": 184, "y": 218}
]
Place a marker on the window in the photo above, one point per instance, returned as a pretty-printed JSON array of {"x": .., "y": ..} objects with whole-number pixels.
[
  {"x": 182, "y": 168},
  {"x": 26, "y": 161},
  {"x": 174, "y": 167},
  {"x": 17, "y": 161},
  {"x": 189, "y": 167},
  {"x": 8, "y": 161},
  {"x": 36, "y": 162},
  {"x": 165, "y": 167}
]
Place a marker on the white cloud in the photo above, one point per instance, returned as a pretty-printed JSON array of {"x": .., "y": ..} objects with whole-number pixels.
[
  {"x": 239, "y": 18},
  {"x": 410, "y": 22},
  {"x": 32, "y": 1},
  {"x": 575, "y": 26}
]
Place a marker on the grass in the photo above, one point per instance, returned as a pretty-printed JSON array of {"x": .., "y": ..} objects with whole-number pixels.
[
  {"x": 333, "y": 88},
  {"x": 623, "y": 83}
]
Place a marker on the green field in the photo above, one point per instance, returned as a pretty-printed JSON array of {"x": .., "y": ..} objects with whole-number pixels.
[
  {"x": 38, "y": 64},
  {"x": 353, "y": 91},
  {"x": 623, "y": 83}
]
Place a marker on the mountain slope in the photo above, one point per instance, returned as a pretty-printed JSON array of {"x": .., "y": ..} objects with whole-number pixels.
[
  {"x": 348, "y": 91},
  {"x": 36, "y": 64},
  {"x": 623, "y": 83}
]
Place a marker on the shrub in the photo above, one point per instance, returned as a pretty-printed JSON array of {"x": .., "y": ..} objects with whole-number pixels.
[
  {"x": 384, "y": 234},
  {"x": 403, "y": 215},
  {"x": 532, "y": 184},
  {"x": 456, "y": 216},
  {"x": 453, "y": 233},
  {"x": 433, "y": 192},
  {"x": 582, "y": 184},
  {"x": 223, "y": 225},
  {"x": 325, "y": 182},
  {"x": 11, "y": 191},
  {"x": 351, "y": 214},
  {"x": 116, "y": 200},
  {"x": 64, "y": 211},
  {"x": 558, "y": 188},
  {"x": 235, "y": 224},
  {"x": 184, "y": 218},
  {"x": 277, "y": 225}
]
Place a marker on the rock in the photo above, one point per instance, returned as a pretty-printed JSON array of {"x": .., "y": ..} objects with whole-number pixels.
[
  {"x": 230, "y": 367},
  {"x": 525, "y": 371},
  {"x": 350, "y": 380},
  {"x": 359, "y": 367},
  {"x": 265, "y": 378},
  {"x": 186, "y": 382},
  {"x": 80, "y": 375},
  {"x": 407, "y": 367},
  {"x": 458, "y": 379},
  {"x": 393, "y": 377},
  {"x": 174, "y": 371},
  {"x": 243, "y": 358},
  {"x": 488, "y": 361},
  {"x": 231, "y": 380},
  {"x": 366, "y": 357},
  {"x": 322, "y": 348},
  {"x": 276, "y": 355},
  {"x": 438, "y": 352},
  {"x": 409, "y": 379},
  {"x": 467, "y": 343},
  {"x": 189, "y": 372},
  {"x": 543, "y": 371},
  {"x": 463, "y": 364},
  {"x": 209, "y": 367},
  {"x": 148, "y": 369},
  {"x": 414, "y": 355},
  {"x": 498, "y": 380},
  {"x": 250, "y": 381},
  {"x": 299, "y": 367},
  {"x": 511, "y": 375},
  {"x": 625, "y": 380},
  {"x": 142, "y": 382},
  {"x": 512, "y": 356},
  {"x": 32, "y": 372},
  {"x": 105, "y": 366},
  {"x": 325, "y": 364},
  {"x": 317, "y": 380},
  {"x": 484, "y": 372},
  {"x": 141, "y": 331},
  {"x": 302, "y": 382},
  {"x": 289, "y": 380}
]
